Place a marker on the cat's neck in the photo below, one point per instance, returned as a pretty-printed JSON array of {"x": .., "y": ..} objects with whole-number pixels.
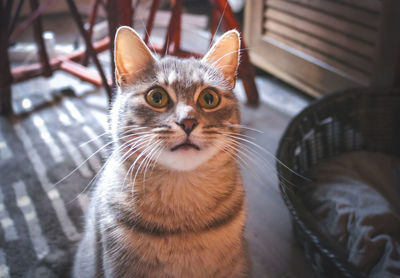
[{"x": 185, "y": 198}]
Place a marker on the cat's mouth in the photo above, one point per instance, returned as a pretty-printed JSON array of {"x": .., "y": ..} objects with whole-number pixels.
[{"x": 187, "y": 145}]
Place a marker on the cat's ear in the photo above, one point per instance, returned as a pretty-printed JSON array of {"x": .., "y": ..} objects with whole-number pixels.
[
  {"x": 131, "y": 55},
  {"x": 224, "y": 54}
]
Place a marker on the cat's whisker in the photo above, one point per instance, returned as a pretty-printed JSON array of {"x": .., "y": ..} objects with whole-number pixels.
[
  {"x": 140, "y": 165},
  {"x": 219, "y": 23},
  {"x": 246, "y": 127},
  {"x": 242, "y": 152},
  {"x": 135, "y": 127},
  {"x": 267, "y": 163},
  {"x": 115, "y": 151},
  {"x": 145, "y": 162},
  {"x": 88, "y": 158},
  {"x": 237, "y": 126},
  {"x": 137, "y": 143},
  {"x": 260, "y": 158},
  {"x": 93, "y": 139},
  {"x": 151, "y": 44},
  {"x": 81, "y": 164},
  {"x": 101, "y": 169},
  {"x": 132, "y": 129},
  {"x": 232, "y": 152},
  {"x": 134, "y": 149},
  {"x": 238, "y": 153},
  {"x": 215, "y": 63},
  {"x": 167, "y": 48},
  {"x": 149, "y": 158},
  {"x": 268, "y": 153},
  {"x": 162, "y": 148},
  {"x": 131, "y": 152},
  {"x": 134, "y": 135},
  {"x": 257, "y": 156},
  {"x": 122, "y": 159},
  {"x": 246, "y": 163},
  {"x": 131, "y": 143},
  {"x": 241, "y": 134}
]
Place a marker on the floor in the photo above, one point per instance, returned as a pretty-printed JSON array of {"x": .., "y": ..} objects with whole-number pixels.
[{"x": 273, "y": 248}]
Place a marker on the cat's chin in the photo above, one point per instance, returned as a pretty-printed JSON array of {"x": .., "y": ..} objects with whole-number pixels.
[{"x": 185, "y": 159}]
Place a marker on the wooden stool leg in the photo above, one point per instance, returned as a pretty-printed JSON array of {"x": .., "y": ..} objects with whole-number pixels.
[
  {"x": 5, "y": 72},
  {"x": 246, "y": 71}
]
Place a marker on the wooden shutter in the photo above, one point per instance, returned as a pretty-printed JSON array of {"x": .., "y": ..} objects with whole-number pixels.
[{"x": 337, "y": 41}]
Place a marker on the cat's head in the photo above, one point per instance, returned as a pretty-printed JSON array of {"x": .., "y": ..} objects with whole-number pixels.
[{"x": 178, "y": 112}]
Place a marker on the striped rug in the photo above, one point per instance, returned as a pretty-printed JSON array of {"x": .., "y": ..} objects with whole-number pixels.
[{"x": 40, "y": 219}]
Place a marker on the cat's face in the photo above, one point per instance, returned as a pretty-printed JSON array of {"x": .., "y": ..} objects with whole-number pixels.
[{"x": 179, "y": 112}]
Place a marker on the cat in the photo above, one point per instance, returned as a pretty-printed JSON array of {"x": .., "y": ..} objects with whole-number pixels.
[{"x": 170, "y": 200}]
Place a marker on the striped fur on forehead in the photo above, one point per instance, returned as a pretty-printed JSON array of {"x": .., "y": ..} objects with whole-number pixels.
[
  {"x": 188, "y": 74},
  {"x": 183, "y": 76}
]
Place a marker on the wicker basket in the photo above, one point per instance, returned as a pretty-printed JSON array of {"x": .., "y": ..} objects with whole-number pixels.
[{"x": 353, "y": 120}]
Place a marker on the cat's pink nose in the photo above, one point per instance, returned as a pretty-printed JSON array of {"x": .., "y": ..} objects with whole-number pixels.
[{"x": 187, "y": 125}]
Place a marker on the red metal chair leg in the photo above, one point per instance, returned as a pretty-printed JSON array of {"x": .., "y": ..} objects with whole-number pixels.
[
  {"x": 119, "y": 13},
  {"x": 215, "y": 15},
  {"x": 177, "y": 27},
  {"x": 89, "y": 46},
  {"x": 94, "y": 7},
  {"x": 173, "y": 32},
  {"x": 246, "y": 73},
  {"x": 38, "y": 35},
  {"x": 15, "y": 17},
  {"x": 24, "y": 25},
  {"x": 150, "y": 21}
]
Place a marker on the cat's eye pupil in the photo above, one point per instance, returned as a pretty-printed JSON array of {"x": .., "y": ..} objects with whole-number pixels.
[
  {"x": 208, "y": 98},
  {"x": 157, "y": 97}
]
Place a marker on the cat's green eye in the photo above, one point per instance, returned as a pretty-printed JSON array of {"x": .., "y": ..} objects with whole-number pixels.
[
  {"x": 157, "y": 97},
  {"x": 208, "y": 99}
]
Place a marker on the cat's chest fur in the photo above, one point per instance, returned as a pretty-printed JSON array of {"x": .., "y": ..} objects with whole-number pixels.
[{"x": 173, "y": 225}]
